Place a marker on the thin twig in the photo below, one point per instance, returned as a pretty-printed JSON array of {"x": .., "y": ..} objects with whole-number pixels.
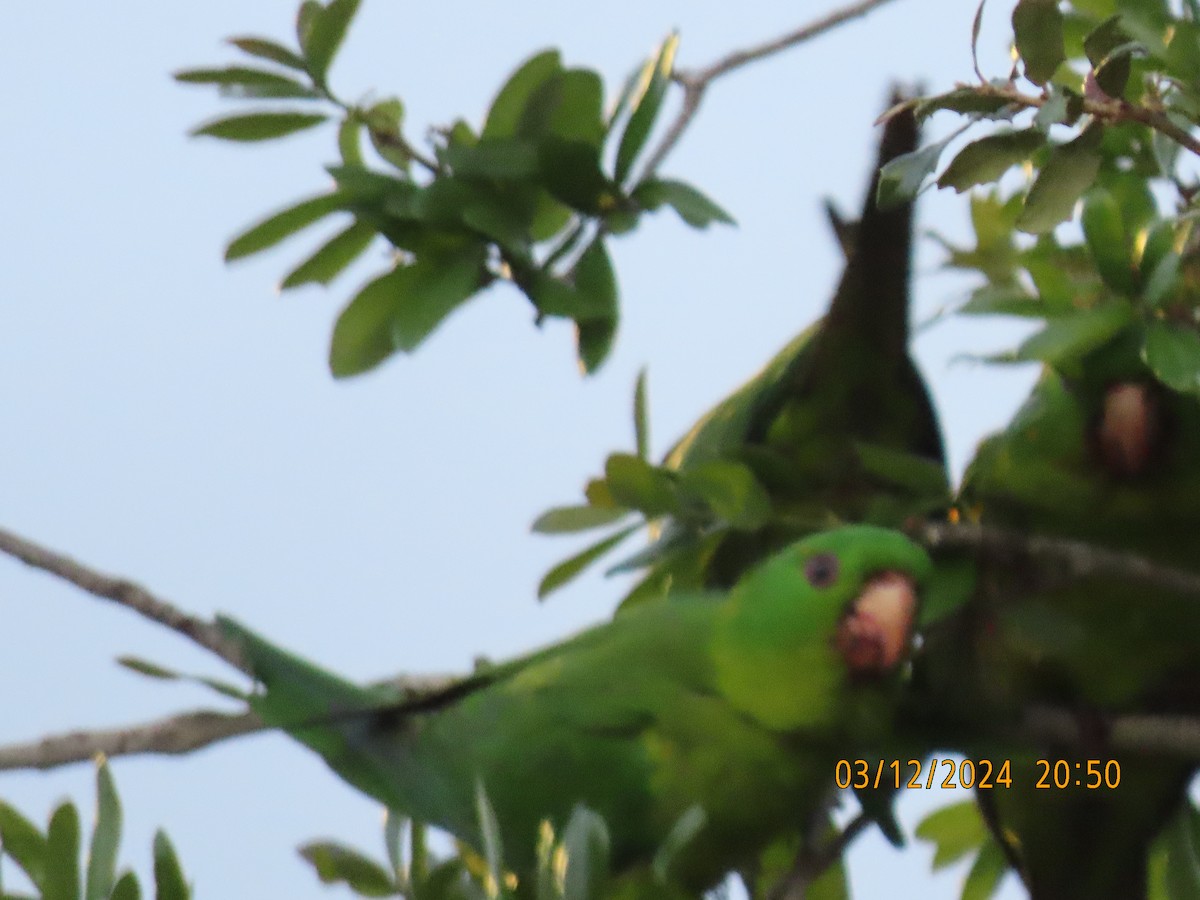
[
  {"x": 1145, "y": 734},
  {"x": 1078, "y": 559},
  {"x": 809, "y": 864},
  {"x": 1114, "y": 111},
  {"x": 127, "y": 593},
  {"x": 171, "y": 736},
  {"x": 695, "y": 84}
]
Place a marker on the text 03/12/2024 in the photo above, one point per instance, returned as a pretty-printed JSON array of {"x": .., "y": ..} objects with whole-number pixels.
[{"x": 984, "y": 774}]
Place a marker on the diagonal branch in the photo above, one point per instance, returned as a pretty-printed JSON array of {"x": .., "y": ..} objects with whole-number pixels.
[
  {"x": 695, "y": 84},
  {"x": 171, "y": 736},
  {"x": 1078, "y": 559},
  {"x": 124, "y": 592}
]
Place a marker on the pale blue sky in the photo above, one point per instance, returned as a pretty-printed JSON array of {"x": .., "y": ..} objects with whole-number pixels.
[{"x": 171, "y": 418}]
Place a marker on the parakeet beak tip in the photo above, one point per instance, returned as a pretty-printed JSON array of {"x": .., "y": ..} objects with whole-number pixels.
[{"x": 876, "y": 631}]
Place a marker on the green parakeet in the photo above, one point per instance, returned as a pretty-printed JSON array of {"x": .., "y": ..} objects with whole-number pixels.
[
  {"x": 739, "y": 705},
  {"x": 1101, "y": 452},
  {"x": 837, "y": 427}
]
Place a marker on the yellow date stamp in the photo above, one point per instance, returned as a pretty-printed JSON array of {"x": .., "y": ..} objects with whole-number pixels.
[{"x": 978, "y": 774}]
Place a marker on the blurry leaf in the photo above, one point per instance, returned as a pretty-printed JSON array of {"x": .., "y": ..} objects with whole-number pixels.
[
  {"x": 901, "y": 178},
  {"x": 508, "y": 107},
  {"x": 644, "y": 105},
  {"x": 1066, "y": 338},
  {"x": 686, "y": 827},
  {"x": 586, "y": 842},
  {"x": 509, "y": 159},
  {"x": 1173, "y": 353},
  {"x": 637, "y": 484},
  {"x": 489, "y": 830},
  {"x": 1038, "y": 31},
  {"x": 575, "y": 112},
  {"x": 332, "y": 257},
  {"x": 126, "y": 888},
  {"x": 962, "y": 100},
  {"x": 324, "y": 36},
  {"x": 568, "y": 569},
  {"x": 348, "y": 140},
  {"x": 106, "y": 837},
  {"x": 1070, "y": 170},
  {"x": 283, "y": 224},
  {"x": 336, "y": 863},
  {"x": 597, "y": 285},
  {"x": 147, "y": 668},
  {"x": 1105, "y": 233},
  {"x": 398, "y": 310},
  {"x": 691, "y": 205},
  {"x": 988, "y": 158},
  {"x": 1175, "y": 860},
  {"x": 570, "y": 171},
  {"x": 1162, "y": 280},
  {"x": 23, "y": 842},
  {"x": 954, "y": 830},
  {"x": 641, "y": 419},
  {"x": 1056, "y": 110},
  {"x": 169, "y": 883},
  {"x": 267, "y": 49},
  {"x": 597, "y": 493},
  {"x": 991, "y": 300},
  {"x": 731, "y": 491},
  {"x": 383, "y": 128},
  {"x": 571, "y": 519},
  {"x": 60, "y": 880},
  {"x": 1108, "y": 48},
  {"x": 239, "y": 81},
  {"x": 916, "y": 474},
  {"x": 260, "y": 126},
  {"x": 986, "y": 873}
]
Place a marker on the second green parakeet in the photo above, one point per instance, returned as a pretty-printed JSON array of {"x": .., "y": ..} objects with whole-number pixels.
[{"x": 738, "y": 705}]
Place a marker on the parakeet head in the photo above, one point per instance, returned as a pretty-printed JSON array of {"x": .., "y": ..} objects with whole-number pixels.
[{"x": 830, "y": 611}]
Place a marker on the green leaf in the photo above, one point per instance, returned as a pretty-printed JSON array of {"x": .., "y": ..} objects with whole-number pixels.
[
  {"x": 394, "y": 826},
  {"x": 916, "y": 474},
  {"x": 1105, "y": 233},
  {"x": 61, "y": 878},
  {"x": 332, "y": 257},
  {"x": 260, "y": 126},
  {"x": 691, "y": 205},
  {"x": 730, "y": 490},
  {"x": 23, "y": 842},
  {"x": 986, "y": 873},
  {"x": 901, "y": 178},
  {"x": 1055, "y": 111},
  {"x": 398, "y": 310},
  {"x": 169, "y": 883},
  {"x": 644, "y": 105},
  {"x": 641, "y": 419},
  {"x": 1162, "y": 280},
  {"x": 1003, "y": 300},
  {"x": 965, "y": 100},
  {"x": 338, "y": 864},
  {"x": 570, "y": 171},
  {"x": 1068, "y": 337},
  {"x": 106, "y": 837},
  {"x": 283, "y": 224},
  {"x": 571, "y": 107},
  {"x": 636, "y": 484},
  {"x": 383, "y": 128},
  {"x": 126, "y": 888},
  {"x": 597, "y": 287},
  {"x": 268, "y": 49},
  {"x": 240, "y": 81},
  {"x": 568, "y": 569},
  {"x": 686, "y": 827},
  {"x": 509, "y": 106},
  {"x": 1173, "y": 353},
  {"x": 489, "y": 830},
  {"x": 1038, "y": 31},
  {"x": 324, "y": 36},
  {"x": 1070, "y": 170},
  {"x": 348, "y": 140},
  {"x": 1109, "y": 48},
  {"x": 571, "y": 519},
  {"x": 587, "y": 844},
  {"x": 988, "y": 158},
  {"x": 505, "y": 159},
  {"x": 955, "y": 831}
]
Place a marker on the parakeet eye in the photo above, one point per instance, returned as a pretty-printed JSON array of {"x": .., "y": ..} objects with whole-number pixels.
[{"x": 822, "y": 570}]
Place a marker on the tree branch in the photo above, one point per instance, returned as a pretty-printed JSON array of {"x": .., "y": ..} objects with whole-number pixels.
[
  {"x": 124, "y": 592},
  {"x": 1079, "y": 559},
  {"x": 695, "y": 84},
  {"x": 172, "y": 736},
  {"x": 1150, "y": 734}
]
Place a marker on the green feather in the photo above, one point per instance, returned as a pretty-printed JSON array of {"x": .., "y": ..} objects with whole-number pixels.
[{"x": 739, "y": 705}]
